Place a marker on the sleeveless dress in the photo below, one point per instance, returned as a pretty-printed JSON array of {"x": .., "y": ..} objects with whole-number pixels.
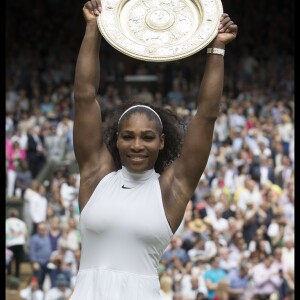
[{"x": 124, "y": 232}]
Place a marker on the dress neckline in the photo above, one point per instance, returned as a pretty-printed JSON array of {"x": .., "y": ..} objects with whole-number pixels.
[{"x": 138, "y": 177}]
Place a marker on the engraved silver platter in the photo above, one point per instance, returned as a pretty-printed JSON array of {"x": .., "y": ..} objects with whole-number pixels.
[{"x": 159, "y": 30}]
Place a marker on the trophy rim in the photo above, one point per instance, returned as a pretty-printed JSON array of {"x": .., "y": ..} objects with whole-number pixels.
[{"x": 126, "y": 26}]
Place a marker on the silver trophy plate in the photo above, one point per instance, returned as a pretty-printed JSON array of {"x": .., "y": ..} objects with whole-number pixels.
[{"x": 159, "y": 30}]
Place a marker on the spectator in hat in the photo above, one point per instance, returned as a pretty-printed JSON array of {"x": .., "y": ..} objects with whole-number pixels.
[{"x": 12, "y": 288}]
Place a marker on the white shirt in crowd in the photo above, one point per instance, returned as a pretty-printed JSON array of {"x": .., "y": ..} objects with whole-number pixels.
[
  {"x": 38, "y": 208},
  {"x": 16, "y": 232},
  {"x": 28, "y": 294}
]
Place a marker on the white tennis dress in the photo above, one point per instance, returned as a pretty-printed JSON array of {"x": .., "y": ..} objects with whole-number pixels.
[{"x": 124, "y": 231}]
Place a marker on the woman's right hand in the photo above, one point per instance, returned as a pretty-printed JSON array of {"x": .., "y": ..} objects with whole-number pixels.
[{"x": 91, "y": 10}]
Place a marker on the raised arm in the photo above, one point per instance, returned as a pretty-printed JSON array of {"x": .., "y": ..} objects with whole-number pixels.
[
  {"x": 198, "y": 141},
  {"x": 180, "y": 180},
  {"x": 91, "y": 153}
]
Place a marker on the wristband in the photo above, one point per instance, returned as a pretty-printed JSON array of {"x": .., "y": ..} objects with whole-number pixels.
[{"x": 217, "y": 51}]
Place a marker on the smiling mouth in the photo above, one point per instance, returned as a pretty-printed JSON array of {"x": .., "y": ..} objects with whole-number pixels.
[{"x": 137, "y": 158}]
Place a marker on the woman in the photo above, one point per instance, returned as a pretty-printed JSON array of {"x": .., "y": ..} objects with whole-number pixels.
[
  {"x": 135, "y": 180},
  {"x": 222, "y": 290},
  {"x": 14, "y": 158}
]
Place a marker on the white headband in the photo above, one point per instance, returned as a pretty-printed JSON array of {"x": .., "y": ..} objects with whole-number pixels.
[{"x": 144, "y": 106}]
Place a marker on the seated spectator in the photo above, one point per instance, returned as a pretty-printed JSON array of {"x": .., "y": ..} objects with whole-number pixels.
[
  {"x": 39, "y": 252},
  {"x": 23, "y": 179},
  {"x": 220, "y": 224},
  {"x": 206, "y": 207},
  {"x": 199, "y": 253},
  {"x": 266, "y": 278},
  {"x": 277, "y": 230},
  {"x": 32, "y": 291},
  {"x": 64, "y": 130},
  {"x": 254, "y": 217},
  {"x": 238, "y": 281},
  {"x": 250, "y": 190},
  {"x": 56, "y": 202},
  {"x": 166, "y": 291},
  {"x": 238, "y": 251},
  {"x": 55, "y": 232},
  {"x": 212, "y": 277},
  {"x": 227, "y": 263},
  {"x": 60, "y": 290},
  {"x": 63, "y": 261},
  {"x": 235, "y": 224},
  {"x": 222, "y": 291},
  {"x": 190, "y": 285},
  {"x": 172, "y": 252},
  {"x": 30, "y": 192},
  {"x": 55, "y": 145},
  {"x": 284, "y": 172},
  {"x": 201, "y": 190},
  {"x": 69, "y": 190},
  {"x": 38, "y": 207},
  {"x": 288, "y": 254},
  {"x": 260, "y": 243}
]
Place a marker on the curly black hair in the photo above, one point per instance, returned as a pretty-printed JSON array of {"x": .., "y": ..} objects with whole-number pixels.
[{"x": 173, "y": 129}]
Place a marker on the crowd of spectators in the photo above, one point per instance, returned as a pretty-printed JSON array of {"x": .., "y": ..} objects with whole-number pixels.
[{"x": 237, "y": 237}]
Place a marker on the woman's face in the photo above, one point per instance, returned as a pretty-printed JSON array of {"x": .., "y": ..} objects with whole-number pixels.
[{"x": 139, "y": 142}]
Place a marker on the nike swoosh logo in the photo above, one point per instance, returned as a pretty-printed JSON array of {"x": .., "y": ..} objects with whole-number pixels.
[{"x": 125, "y": 187}]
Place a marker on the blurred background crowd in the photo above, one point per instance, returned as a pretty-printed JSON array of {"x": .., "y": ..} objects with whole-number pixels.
[{"x": 237, "y": 237}]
